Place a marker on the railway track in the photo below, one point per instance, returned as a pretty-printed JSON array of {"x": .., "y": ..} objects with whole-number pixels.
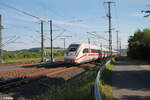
[
  {"x": 8, "y": 84},
  {"x": 23, "y": 72},
  {"x": 23, "y": 79},
  {"x": 19, "y": 73}
]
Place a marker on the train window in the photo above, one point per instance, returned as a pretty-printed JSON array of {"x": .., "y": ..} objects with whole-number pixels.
[
  {"x": 99, "y": 51},
  {"x": 73, "y": 47},
  {"x": 92, "y": 51},
  {"x": 95, "y": 51},
  {"x": 86, "y": 50}
]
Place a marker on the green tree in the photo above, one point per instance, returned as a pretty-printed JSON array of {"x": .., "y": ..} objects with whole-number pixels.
[{"x": 139, "y": 45}]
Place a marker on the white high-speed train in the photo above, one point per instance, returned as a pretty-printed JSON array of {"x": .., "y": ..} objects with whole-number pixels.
[{"x": 83, "y": 52}]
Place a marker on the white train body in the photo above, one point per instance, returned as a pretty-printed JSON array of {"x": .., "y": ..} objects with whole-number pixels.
[{"x": 82, "y": 52}]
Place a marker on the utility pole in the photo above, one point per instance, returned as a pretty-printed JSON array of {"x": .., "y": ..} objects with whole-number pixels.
[
  {"x": 42, "y": 42},
  {"x": 65, "y": 40},
  {"x": 51, "y": 35},
  {"x": 88, "y": 41},
  {"x": 120, "y": 47},
  {"x": 101, "y": 45},
  {"x": 1, "y": 50},
  {"x": 64, "y": 43},
  {"x": 109, "y": 30},
  {"x": 117, "y": 39}
]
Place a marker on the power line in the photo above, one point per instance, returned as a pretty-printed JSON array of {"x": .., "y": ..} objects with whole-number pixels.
[
  {"x": 23, "y": 12},
  {"x": 96, "y": 36},
  {"x": 59, "y": 35},
  {"x": 12, "y": 40},
  {"x": 53, "y": 11},
  {"x": 116, "y": 15},
  {"x": 117, "y": 38}
]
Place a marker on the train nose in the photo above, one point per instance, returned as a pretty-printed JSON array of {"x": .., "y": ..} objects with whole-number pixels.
[{"x": 69, "y": 60}]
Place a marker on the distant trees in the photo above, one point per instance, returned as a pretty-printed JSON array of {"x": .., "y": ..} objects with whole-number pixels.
[{"x": 139, "y": 45}]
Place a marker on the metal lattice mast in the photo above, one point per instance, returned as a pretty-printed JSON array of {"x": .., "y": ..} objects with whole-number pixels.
[
  {"x": 51, "y": 38},
  {"x": 117, "y": 39},
  {"x": 42, "y": 42},
  {"x": 110, "y": 29},
  {"x": 1, "y": 50}
]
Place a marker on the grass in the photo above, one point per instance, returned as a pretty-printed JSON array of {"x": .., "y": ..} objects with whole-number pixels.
[
  {"x": 58, "y": 57},
  {"x": 18, "y": 56},
  {"x": 28, "y": 59},
  {"x": 80, "y": 91},
  {"x": 19, "y": 60},
  {"x": 54, "y": 50},
  {"x": 105, "y": 82}
]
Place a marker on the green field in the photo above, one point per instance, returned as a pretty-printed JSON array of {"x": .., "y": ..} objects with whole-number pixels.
[
  {"x": 20, "y": 60},
  {"x": 30, "y": 54}
]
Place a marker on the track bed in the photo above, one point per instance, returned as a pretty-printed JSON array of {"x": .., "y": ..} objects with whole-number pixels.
[{"x": 34, "y": 80}]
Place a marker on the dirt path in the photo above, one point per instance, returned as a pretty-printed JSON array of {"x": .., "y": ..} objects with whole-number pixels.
[{"x": 130, "y": 81}]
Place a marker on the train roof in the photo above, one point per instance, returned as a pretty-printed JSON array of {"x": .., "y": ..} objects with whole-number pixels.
[{"x": 91, "y": 46}]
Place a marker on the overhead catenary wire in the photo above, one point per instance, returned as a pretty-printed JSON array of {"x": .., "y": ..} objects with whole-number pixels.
[
  {"x": 12, "y": 40},
  {"x": 21, "y": 11},
  {"x": 54, "y": 12},
  {"x": 59, "y": 35},
  {"x": 117, "y": 16}
]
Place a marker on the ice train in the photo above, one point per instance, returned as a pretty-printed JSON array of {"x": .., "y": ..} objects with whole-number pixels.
[{"x": 82, "y": 52}]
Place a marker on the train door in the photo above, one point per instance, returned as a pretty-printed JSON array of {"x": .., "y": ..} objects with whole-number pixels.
[{"x": 85, "y": 54}]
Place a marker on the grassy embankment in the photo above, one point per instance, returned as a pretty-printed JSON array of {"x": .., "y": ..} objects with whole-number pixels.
[
  {"x": 19, "y": 56},
  {"x": 20, "y": 60},
  {"x": 105, "y": 82},
  {"x": 28, "y": 59},
  {"x": 80, "y": 91}
]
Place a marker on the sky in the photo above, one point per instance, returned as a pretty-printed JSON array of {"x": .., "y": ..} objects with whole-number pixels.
[{"x": 75, "y": 18}]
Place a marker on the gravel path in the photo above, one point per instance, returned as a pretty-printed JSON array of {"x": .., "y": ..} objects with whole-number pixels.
[{"x": 130, "y": 81}]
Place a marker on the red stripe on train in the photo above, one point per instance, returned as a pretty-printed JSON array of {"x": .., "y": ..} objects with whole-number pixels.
[
  {"x": 81, "y": 57},
  {"x": 94, "y": 54},
  {"x": 88, "y": 55}
]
